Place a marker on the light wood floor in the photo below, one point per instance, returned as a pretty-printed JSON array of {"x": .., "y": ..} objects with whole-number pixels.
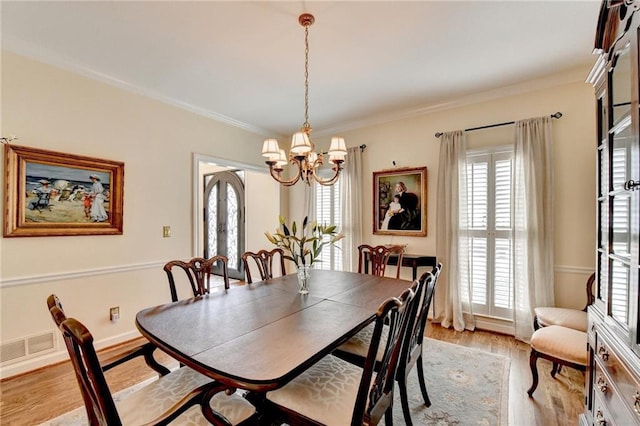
[{"x": 44, "y": 394}]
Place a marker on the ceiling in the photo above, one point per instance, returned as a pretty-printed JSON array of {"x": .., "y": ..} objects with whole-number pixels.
[{"x": 243, "y": 62}]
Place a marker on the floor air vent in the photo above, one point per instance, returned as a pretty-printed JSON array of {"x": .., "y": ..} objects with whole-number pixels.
[{"x": 27, "y": 346}]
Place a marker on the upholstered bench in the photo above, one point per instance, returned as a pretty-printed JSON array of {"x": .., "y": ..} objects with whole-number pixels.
[{"x": 560, "y": 345}]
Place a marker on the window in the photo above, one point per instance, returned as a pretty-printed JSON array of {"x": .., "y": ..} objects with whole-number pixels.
[
  {"x": 327, "y": 204},
  {"x": 490, "y": 220}
]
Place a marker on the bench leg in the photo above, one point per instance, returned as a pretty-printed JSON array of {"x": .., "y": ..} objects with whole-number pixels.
[{"x": 534, "y": 372}]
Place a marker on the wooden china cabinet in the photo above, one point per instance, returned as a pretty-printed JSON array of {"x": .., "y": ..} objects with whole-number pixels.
[{"x": 612, "y": 394}]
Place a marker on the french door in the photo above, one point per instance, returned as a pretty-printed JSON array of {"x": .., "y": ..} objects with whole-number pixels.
[{"x": 224, "y": 219}]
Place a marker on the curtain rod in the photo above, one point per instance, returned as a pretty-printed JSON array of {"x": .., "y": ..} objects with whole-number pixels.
[
  {"x": 555, "y": 115},
  {"x": 362, "y": 147}
]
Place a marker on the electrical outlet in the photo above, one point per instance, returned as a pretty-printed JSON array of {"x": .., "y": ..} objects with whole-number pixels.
[
  {"x": 166, "y": 231},
  {"x": 114, "y": 314}
]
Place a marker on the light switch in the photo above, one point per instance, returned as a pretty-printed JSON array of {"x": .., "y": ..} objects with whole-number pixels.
[{"x": 166, "y": 231}]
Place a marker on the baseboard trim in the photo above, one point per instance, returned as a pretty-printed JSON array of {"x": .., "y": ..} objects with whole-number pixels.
[
  {"x": 494, "y": 325},
  {"x": 34, "y": 363}
]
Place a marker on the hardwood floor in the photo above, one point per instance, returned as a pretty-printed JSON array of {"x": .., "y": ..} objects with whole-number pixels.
[{"x": 35, "y": 397}]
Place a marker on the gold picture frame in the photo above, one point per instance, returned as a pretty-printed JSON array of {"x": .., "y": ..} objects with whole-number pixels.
[
  {"x": 400, "y": 202},
  {"x": 56, "y": 194}
]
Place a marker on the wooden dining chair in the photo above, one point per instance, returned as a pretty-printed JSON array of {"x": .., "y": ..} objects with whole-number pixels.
[
  {"x": 265, "y": 262},
  {"x": 198, "y": 271},
  {"x": 379, "y": 258},
  {"x": 336, "y": 392},
  {"x": 355, "y": 349},
  {"x": 170, "y": 399},
  {"x": 144, "y": 350}
]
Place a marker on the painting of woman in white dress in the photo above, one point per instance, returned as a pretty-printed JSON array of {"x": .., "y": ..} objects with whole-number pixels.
[
  {"x": 98, "y": 213},
  {"x": 52, "y": 193}
]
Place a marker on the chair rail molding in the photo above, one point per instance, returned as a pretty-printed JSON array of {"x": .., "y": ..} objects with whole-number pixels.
[{"x": 37, "y": 279}]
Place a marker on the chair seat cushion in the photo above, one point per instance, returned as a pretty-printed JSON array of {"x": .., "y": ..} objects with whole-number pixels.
[
  {"x": 359, "y": 344},
  {"x": 571, "y": 318},
  {"x": 147, "y": 403},
  {"x": 561, "y": 342},
  {"x": 326, "y": 392}
]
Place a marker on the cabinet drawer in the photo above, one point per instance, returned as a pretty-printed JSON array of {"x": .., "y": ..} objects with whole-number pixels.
[
  {"x": 601, "y": 414},
  {"x": 620, "y": 382},
  {"x": 606, "y": 395}
]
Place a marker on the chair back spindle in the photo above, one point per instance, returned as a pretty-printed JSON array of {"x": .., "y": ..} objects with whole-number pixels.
[
  {"x": 375, "y": 394},
  {"x": 198, "y": 271},
  {"x": 264, "y": 260},
  {"x": 99, "y": 404},
  {"x": 379, "y": 256}
]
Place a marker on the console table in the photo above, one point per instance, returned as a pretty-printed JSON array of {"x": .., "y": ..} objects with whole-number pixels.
[{"x": 413, "y": 261}]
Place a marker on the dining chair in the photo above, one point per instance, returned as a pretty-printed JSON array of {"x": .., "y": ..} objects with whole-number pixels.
[
  {"x": 355, "y": 349},
  {"x": 576, "y": 319},
  {"x": 336, "y": 392},
  {"x": 198, "y": 271},
  {"x": 170, "y": 399},
  {"x": 379, "y": 258},
  {"x": 144, "y": 350},
  {"x": 265, "y": 262}
]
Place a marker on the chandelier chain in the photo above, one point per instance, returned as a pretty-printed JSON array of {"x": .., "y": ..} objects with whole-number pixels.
[
  {"x": 303, "y": 153},
  {"x": 306, "y": 77}
]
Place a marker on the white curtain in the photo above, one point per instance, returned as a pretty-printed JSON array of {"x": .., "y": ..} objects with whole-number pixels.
[
  {"x": 351, "y": 200},
  {"x": 533, "y": 233},
  {"x": 452, "y": 302}
]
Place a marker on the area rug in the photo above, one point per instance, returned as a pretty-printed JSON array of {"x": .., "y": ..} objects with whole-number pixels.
[{"x": 466, "y": 387}]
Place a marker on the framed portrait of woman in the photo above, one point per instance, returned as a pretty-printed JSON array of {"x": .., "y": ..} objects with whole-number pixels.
[{"x": 400, "y": 202}]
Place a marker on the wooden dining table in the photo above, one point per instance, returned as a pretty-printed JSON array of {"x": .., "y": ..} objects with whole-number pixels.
[{"x": 259, "y": 336}]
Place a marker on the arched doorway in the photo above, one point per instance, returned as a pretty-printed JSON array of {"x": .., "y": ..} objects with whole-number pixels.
[{"x": 224, "y": 221}]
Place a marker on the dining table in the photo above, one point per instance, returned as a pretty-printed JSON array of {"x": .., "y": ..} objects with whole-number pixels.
[{"x": 260, "y": 336}]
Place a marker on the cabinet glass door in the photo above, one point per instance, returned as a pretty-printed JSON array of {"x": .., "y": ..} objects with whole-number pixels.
[{"x": 623, "y": 201}]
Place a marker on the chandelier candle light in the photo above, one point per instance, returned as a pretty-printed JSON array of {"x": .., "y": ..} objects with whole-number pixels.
[{"x": 302, "y": 153}]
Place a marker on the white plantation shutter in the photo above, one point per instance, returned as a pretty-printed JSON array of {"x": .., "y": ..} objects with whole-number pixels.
[
  {"x": 620, "y": 221},
  {"x": 327, "y": 202},
  {"x": 490, "y": 201},
  {"x": 503, "y": 254}
]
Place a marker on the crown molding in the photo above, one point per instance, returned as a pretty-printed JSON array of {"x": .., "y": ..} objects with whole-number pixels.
[
  {"x": 48, "y": 57},
  {"x": 575, "y": 75}
]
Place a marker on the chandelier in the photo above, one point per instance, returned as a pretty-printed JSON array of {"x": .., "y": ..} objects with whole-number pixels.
[{"x": 302, "y": 153}]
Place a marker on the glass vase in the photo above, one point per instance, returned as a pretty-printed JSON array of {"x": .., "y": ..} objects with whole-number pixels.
[{"x": 304, "y": 275}]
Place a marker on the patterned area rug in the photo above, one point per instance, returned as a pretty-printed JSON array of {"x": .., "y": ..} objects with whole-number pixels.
[{"x": 466, "y": 387}]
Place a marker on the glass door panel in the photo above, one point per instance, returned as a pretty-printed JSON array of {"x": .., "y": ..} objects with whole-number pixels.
[{"x": 620, "y": 86}]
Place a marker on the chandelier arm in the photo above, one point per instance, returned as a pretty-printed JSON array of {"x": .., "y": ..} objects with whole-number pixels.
[
  {"x": 337, "y": 168},
  {"x": 275, "y": 173}
]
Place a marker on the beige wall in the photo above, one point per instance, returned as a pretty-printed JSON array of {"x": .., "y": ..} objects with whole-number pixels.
[
  {"x": 54, "y": 109},
  {"x": 411, "y": 143}
]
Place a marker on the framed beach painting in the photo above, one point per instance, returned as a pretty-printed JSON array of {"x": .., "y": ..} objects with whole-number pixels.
[
  {"x": 52, "y": 194},
  {"x": 400, "y": 202}
]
